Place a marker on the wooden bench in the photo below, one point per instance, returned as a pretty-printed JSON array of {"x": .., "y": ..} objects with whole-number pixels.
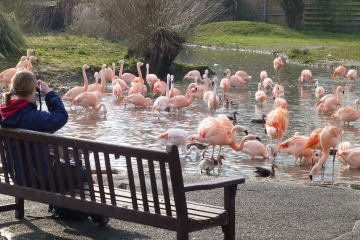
[{"x": 155, "y": 196}]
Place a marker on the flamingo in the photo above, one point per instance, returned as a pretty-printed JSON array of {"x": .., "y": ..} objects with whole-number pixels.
[
  {"x": 161, "y": 103},
  {"x": 243, "y": 75},
  {"x": 199, "y": 89},
  {"x": 88, "y": 99},
  {"x": 263, "y": 75},
  {"x": 75, "y": 91},
  {"x": 192, "y": 74},
  {"x": 179, "y": 137},
  {"x": 343, "y": 146},
  {"x": 94, "y": 86},
  {"x": 181, "y": 101},
  {"x": 138, "y": 87},
  {"x": 225, "y": 82},
  {"x": 280, "y": 102},
  {"x": 213, "y": 101},
  {"x": 117, "y": 90},
  {"x": 278, "y": 91},
  {"x": 108, "y": 73},
  {"x": 330, "y": 137},
  {"x": 116, "y": 79},
  {"x": 351, "y": 75},
  {"x": 295, "y": 146},
  {"x": 250, "y": 146},
  {"x": 208, "y": 93},
  {"x": 127, "y": 77},
  {"x": 216, "y": 134},
  {"x": 314, "y": 141},
  {"x": 319, "y": 90},
  {"x": 306, "y": 75},
  {"x": 138, "y": 100},
  {"x": 237, "y": 81},
  {"x": 278, "y": 65},
  {"x": 260, "y": 95},
  {"x": 173, "y": 91},
  {"x": 277, "y": 122},
  {"x": 337, "y": 95},
  {"x": 330, "y": 105},
  {"x": 160, "y": 88},
  {"x": 348, "y": 114},
  {"x": 24, "y": 59},
  {"x": 208, "y": 164},
  {"x": 351, "y": 157},
  {"x": 151, "y": 78},
  {"x": 268, "y": 83},
  {"x": 340, "y": 71},
  {"x": 7, "y": 74}
]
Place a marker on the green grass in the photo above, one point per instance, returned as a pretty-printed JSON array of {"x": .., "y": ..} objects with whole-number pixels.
[{"x": 315, "y": 47}]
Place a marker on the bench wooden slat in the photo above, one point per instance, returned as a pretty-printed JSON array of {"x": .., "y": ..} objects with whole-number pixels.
[
  {"x": 88, "y": 175},
  {"x": 78, "y": 173},
  {"x": 154, "y": 186},
  {"x": 131, "y": 182},
  {"x": 3, "y": 162},
  {"x": 142, "y": 185},
  {"x": 30, "y": 165},
  {"x": 11, "y": 155},
  {"x": 99, "y": 175},
  {"x": 165, "y": 188},
  {"x": 21, "y": 163},
  {"x": 49, "y": 165},
  {"x": 110, "y": 178},
  {"x": 68, "y": 172},
  {"x": 40, "y": 171}
]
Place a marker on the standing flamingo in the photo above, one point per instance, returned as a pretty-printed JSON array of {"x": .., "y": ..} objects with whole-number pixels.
[
  {"x": 314, "y": 141},
  {"x": 351, "y": 157},
  {"x": 88, "y": 99},
  {"x": 179, "y": 137},
  {"x": 213, "y": 100},
  {"x": 295, "y": 146},
  {"x": 161, "y": 103},
  {"x": 268, "y": 83},
  {"x": 306, "y": 75},
  {"x": 108, "y": 73},
  {"x": 348, "y": 114},
  {"x": 160, "y": 88},
  {"x": 237, "y": 81},
  {"x": 138, "y": 85},
  {"x": 24, "y": 59},
  {"x": 117, "y": 90},
  {"x": 260, "y": 95},
  {"x": 340, "y": 71},
  {"x": 263, "y": 75},
  {"x": 351, "y": 75},
  {"x": 251, "y": 146},
  {"x": 319, "y": 90},
  {"x": 337, "y": 95},
  {"x": 75, "y": 91},
  {"x": 343, "y": 146},
  {"x": 278, "y": 91},
  {"x": 173, "y": 91},
  {"x": 280, "y": 102},
  {"x": 278, "y": 65},
  {"x": 181, "y": 101},
  {"x": 330, "y": 137},
  {"x": 138, "y": 100},
  {"x": 243, "y": 75},
  {"x": 330, "y": 105},
  {"x": 94, "y": 86},
  {"x": 192, "y": 74},
  {"x": 225, "y": 82},
  {"x": 127, "y": 77},
  {"x": 151, "y": 78}
]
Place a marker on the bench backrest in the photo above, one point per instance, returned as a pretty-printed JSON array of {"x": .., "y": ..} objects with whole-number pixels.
[{"x": 144, "y": 167}]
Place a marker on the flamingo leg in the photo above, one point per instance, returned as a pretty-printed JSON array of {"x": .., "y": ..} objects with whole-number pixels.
[
  {"x": 322, "y": 172},
  {"x": 80, "y": 111},
  {"x": 332, "y": 177},
  {"x": 203, "y": 154}
]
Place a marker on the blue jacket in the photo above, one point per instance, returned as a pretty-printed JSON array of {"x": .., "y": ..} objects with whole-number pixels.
[{"x": 28, "y": 117}]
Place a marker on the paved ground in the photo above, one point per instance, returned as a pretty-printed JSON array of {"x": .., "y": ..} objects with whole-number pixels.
[{"x": 266, "y": 209}]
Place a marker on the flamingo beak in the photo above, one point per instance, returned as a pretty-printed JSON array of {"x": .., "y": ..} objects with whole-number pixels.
[
  {"x": 246, "y": 132},
  {"x": 311, "y": 177},
  {"x": 258, "y": 138}
]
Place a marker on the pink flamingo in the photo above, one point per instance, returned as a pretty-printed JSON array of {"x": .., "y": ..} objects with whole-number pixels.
[
  {"x": 116, "y": 79},
  {"x": 160, "y": 88},
  {"x": 268, "y": 83},
  {"x": 314, "y": 141},
  {"x": 251, "y": 146},
  {"x": 7, "y": 74},
  {"x": 75, "y": 91},
  {"x": 330, "y": 105},
  {"x": 161, "y": 103},
  {"x": 225, "y": 82},
  {"x": 117, "y": 90},
  {"x": 181, "y": 101},
  {"x": 343, "y": 146},
  {"x": 192, "y": 74},
  {"x": 351, "y": 157},
  {"x": 277, "y": 123},
  {"x": 127, "y": 77},
  {"x": 351, "y": 75},
  {"x": 173, "y": 91},
  {"x": 348, "y": 114},
  {"x": 243, "y": 75},
  {"x": 306, "y": 75},
  {"x": 337, "y": 95},
  {"x": 278, "y": 91},
  {"x": 94, "y": 86},
  {"x": 138, "y": 100},
  {"x": 24, "y": 59},
  {"x": 260, "y": 95},
  {"x": 319, "y": 90},
  {"x": 340, "y": 71},
  {"x": 213, "y": 100},
  {"x": 237, "y": 81},
  {"x": 151, "y": 78},
  {"x": 263, "y": 75},
  {"x": 330, "y": 137},
  {"x": 179, "y": 137},
  {"x": 280, "y": 102},
  {"x": 138, "y": 87},
  {"x": 88, "y": 99},
  {"x": 295, "y": 146},
  {"x": 278, "y": 65},
  {"x": 108, "y": 73}
]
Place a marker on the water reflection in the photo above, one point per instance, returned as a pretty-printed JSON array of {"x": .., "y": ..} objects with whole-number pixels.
[{"x": 140, "y": 127}]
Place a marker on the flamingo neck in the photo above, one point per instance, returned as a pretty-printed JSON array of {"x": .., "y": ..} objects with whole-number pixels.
[
  {"x": 241, "y": 144},
  {"x": 140, "y": 75},
  {"x": 102, "y": 87},
  {"x": 121, "y": 71},
  {"x": 86, "y": 81},
  {"x": 167, "y": 88}
]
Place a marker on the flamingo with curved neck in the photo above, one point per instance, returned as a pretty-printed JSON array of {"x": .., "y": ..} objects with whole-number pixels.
[{"x": 348, "y": 114}]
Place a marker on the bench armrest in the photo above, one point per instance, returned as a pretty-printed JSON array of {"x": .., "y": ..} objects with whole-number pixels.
[{"x": 215, "y": 183}]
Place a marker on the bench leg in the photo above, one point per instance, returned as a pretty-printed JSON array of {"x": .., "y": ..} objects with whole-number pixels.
[
  {"x": 229, "y": 205},
  {"x": 19, "y": 212},
  {"x": 182, "y": 235}
]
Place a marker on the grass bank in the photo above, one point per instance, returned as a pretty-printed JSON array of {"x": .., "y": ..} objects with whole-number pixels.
[{"x": 305, "y": 46}]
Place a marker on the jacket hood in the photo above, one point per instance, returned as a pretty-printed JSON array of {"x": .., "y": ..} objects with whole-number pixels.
[{"x": 12, "y": 108}]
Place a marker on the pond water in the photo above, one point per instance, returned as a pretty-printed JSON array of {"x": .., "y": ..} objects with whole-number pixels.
[{"x": 139, "y": 127}]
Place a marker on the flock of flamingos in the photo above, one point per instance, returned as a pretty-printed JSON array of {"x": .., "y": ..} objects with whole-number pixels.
[{"x": 222, "y": 130}]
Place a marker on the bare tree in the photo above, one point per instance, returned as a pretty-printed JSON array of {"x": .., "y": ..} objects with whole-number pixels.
[{"x": 156, "y": 29}]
